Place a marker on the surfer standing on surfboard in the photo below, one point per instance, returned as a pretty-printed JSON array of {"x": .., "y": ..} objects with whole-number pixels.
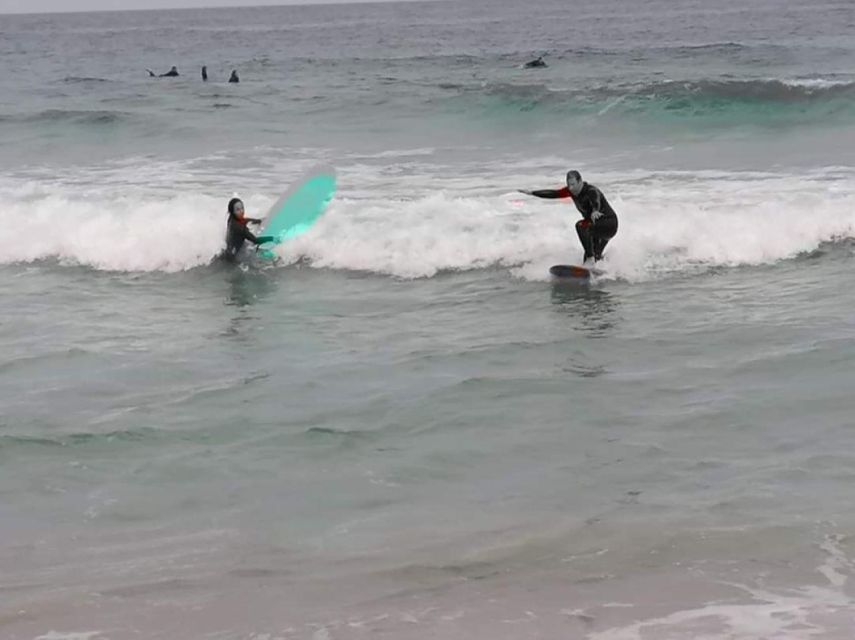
[
  {"x": 599, "y": 222},
  {"x": 237, "y": 232}
]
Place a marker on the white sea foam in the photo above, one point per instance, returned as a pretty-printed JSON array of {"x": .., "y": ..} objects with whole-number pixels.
[
  {"x": 797, "y": 613},
  {"x": 815, "y": 83},
  {"x": 668, "y": 223},
  {"x": 418, "y": 222}
]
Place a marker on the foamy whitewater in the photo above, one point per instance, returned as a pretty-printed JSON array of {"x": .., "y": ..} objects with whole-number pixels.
[{"x": 404, "y": 428}]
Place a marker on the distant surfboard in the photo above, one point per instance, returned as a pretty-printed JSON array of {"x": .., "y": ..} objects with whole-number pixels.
[
  {"x": 299, "y": 208},
  {"x": 567, "y": 271}
]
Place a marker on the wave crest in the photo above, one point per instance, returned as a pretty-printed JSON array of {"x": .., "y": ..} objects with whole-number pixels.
[{"x": 717, "y": 101}]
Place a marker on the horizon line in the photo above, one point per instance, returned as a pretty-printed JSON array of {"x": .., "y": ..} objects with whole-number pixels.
[{"x": 278, "y": 3}]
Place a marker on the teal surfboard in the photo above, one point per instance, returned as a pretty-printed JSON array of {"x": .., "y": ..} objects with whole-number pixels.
[{"x": 298, "y": 209}]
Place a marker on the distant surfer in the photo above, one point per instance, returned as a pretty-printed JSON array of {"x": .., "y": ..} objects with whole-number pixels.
[
  {"x": 172, "y": 73},
  {"x": 237, "y": 232},
  {"x": 204, "y": 73},
  {"x": 234, "y": 77},
  {"x": 599, "y": 222},
  {"x": 535, "y": 64}
]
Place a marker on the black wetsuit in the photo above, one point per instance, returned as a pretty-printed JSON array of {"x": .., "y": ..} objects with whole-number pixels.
[
  {"x": 236, "y": 234},
  {"x": 594, "y": 236}
]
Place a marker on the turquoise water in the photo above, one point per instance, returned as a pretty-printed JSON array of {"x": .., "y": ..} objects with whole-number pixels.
[{"x": 405, "y": 429}]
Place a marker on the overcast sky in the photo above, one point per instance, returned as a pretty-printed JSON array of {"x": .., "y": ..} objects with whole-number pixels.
[{"x": 35, "y": 6}]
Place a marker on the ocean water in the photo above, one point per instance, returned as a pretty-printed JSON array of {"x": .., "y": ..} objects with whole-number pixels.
[{"x": 404, "y": 429}]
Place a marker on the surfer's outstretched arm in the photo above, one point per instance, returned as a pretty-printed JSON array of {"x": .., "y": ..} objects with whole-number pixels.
[
  {"x": 249, "y": 235},
  {"x": 563, "y": 192}
]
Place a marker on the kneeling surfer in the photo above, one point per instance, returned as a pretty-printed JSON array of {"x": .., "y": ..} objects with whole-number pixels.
[
  {"x": 599, "y": 222},
  {"x": 237, "y": 232}
]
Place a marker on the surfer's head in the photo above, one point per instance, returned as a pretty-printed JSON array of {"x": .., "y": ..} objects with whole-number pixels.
[
  {"x": 574, "y": 182},
  {"x": 236, "y": 208}
]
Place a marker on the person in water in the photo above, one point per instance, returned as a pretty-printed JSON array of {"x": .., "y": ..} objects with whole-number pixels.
[
  {"x": 204, "y": 73},
  {"x": 172, "y": 73},
  {"x": 234, "y": 77},
  {"x": 534, "y": 64},
  {"x": 599, "y": 222},
  {"x": 237, "y": 232}
]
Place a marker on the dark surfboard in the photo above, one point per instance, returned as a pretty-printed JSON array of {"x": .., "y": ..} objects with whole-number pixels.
[{"x": 566, "y": 271}]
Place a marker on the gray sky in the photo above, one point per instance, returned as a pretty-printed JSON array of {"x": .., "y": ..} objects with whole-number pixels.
[{"x": 35, "y": 6}]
